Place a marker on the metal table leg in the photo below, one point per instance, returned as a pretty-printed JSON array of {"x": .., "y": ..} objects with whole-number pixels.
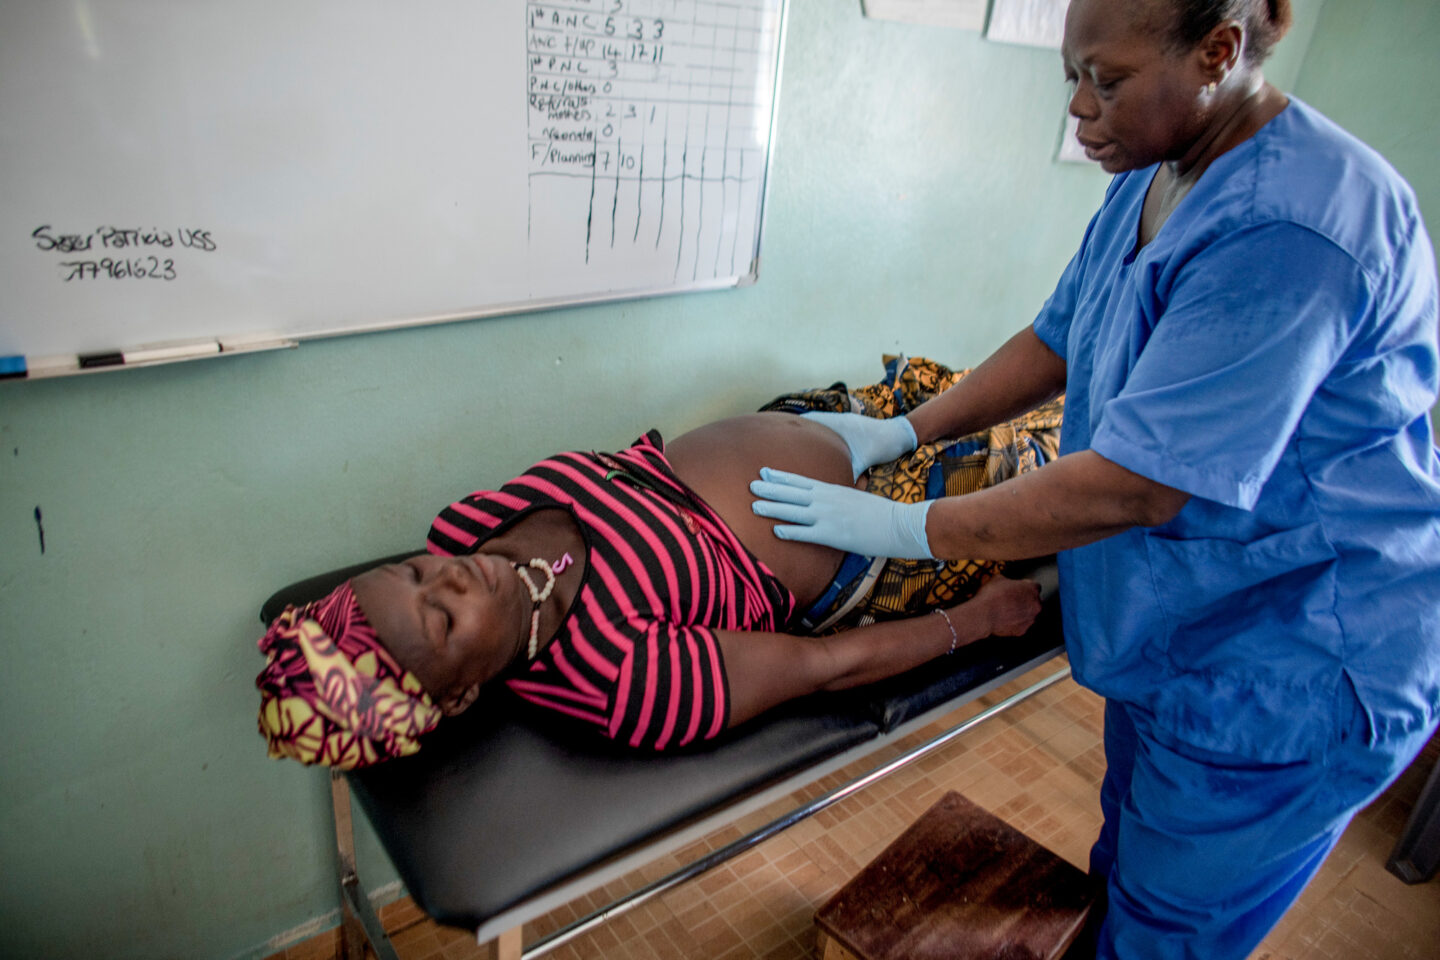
[{"x": 359, "y": 923}]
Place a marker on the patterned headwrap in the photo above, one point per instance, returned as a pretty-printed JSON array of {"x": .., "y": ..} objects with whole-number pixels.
[{"x": 331, "y": 694}]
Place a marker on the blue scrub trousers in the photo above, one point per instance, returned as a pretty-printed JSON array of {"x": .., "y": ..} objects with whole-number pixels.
[{"x": 1203, "y": 852}]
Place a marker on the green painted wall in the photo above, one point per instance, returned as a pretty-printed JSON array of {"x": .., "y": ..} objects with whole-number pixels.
[
  {"x": 915, "y": 207},
  {"x": 1371, "y": 68}
]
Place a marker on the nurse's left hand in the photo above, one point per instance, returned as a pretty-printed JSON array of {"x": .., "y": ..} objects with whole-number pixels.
[
  {"x": 869, "y": 439},
  {"x": 841, "y": 517}
]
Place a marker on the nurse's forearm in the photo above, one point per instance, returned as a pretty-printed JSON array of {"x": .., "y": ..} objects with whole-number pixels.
[
  {"x": 1018, "y": 377},
  {"x": 1078, "y": 499}
]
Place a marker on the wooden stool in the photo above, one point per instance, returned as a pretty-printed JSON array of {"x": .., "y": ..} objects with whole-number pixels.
[{"x": 959, "y": 884}]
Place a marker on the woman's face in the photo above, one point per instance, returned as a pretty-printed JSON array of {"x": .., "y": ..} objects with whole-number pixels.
[
  {"x": 1138, "y": 102},
  {"x": 454, "y": 622}
]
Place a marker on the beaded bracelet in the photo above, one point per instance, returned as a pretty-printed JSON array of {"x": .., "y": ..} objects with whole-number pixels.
[{"x": 954, "y": 637}]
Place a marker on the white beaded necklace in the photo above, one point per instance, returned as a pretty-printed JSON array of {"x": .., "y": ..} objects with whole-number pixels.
[{"x": 539, "y": 596}]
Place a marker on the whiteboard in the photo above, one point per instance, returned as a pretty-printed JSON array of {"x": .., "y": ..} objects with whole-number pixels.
[{"x": 240, "y": 172}]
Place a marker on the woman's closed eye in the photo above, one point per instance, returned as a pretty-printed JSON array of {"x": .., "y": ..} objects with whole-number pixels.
[{"x": 437, "y": 621}]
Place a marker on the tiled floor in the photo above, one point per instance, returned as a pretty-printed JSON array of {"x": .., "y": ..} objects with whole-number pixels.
[{"x": 1037, "y": 766}]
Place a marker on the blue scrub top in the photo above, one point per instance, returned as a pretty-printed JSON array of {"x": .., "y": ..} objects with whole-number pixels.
[{"x": 1272, "y": 352}]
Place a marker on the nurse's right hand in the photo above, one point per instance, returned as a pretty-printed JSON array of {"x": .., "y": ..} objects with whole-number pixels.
[
  {"x": 841, "y": 517},
  {"x": 870, "y": 440}
]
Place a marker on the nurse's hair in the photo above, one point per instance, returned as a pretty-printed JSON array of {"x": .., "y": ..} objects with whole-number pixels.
[{"x": 1266, "y": 21}]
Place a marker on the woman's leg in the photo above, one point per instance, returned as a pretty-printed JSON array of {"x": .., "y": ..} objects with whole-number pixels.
[
  {"x": 1207, "y": 851},
  {"x": 1119, "y": 763}
]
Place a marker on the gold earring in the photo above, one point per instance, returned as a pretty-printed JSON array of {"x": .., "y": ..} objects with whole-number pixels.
[{"x": 1209, "y": 88}]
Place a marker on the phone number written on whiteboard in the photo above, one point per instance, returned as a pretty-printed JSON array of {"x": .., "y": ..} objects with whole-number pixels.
[{"x": 138, "y": 262}]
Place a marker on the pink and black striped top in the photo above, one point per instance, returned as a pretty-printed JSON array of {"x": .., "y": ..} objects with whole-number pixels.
[{"x": 636, "y": 657}]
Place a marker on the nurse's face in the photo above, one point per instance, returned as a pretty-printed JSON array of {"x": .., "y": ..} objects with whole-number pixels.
[
  {"x": 454, "y": 622},
  {"x": 1138, "y": 101}
]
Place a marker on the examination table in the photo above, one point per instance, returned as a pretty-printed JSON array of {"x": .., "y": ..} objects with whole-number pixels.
[{"x": 501, "y": 817}]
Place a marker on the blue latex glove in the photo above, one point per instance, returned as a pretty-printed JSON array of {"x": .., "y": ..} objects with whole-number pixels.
[
  {"x": 841, "y": 517},
  {"x": 870, "y": 440}
]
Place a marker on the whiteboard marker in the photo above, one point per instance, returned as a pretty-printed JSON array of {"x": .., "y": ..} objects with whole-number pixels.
[
  {"x": 107, "y": 358},
  {"x": 257, "y": 341},
  {"x": 52, "y": 365},
  {"x": 177, "y": 351}
]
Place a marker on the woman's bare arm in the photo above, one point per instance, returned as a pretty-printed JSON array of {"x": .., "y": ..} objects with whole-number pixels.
[
  {"x": 1017, "y": 378},
  {"x": 1078, "y": 499},
  {"x": 767, "y": 669}
]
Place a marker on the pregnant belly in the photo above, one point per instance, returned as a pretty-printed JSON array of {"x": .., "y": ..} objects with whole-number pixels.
[{"x": 719, "y": 460}]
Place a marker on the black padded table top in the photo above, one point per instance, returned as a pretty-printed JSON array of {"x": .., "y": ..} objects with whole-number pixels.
[
  {"x": 496, "y": 808},
  {"x": 500, "y": 805}
]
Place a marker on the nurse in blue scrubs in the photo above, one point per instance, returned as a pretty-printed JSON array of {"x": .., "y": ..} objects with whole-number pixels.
[{"x": 1247, "y": 505}]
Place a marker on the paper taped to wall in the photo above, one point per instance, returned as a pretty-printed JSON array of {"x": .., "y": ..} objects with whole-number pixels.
[
  {"x": 1035, "y": 23},
  {"x": 966, "y": 14}
]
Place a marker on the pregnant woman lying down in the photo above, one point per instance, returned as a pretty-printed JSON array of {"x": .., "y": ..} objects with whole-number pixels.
[{"x": 635, "y": 593}]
